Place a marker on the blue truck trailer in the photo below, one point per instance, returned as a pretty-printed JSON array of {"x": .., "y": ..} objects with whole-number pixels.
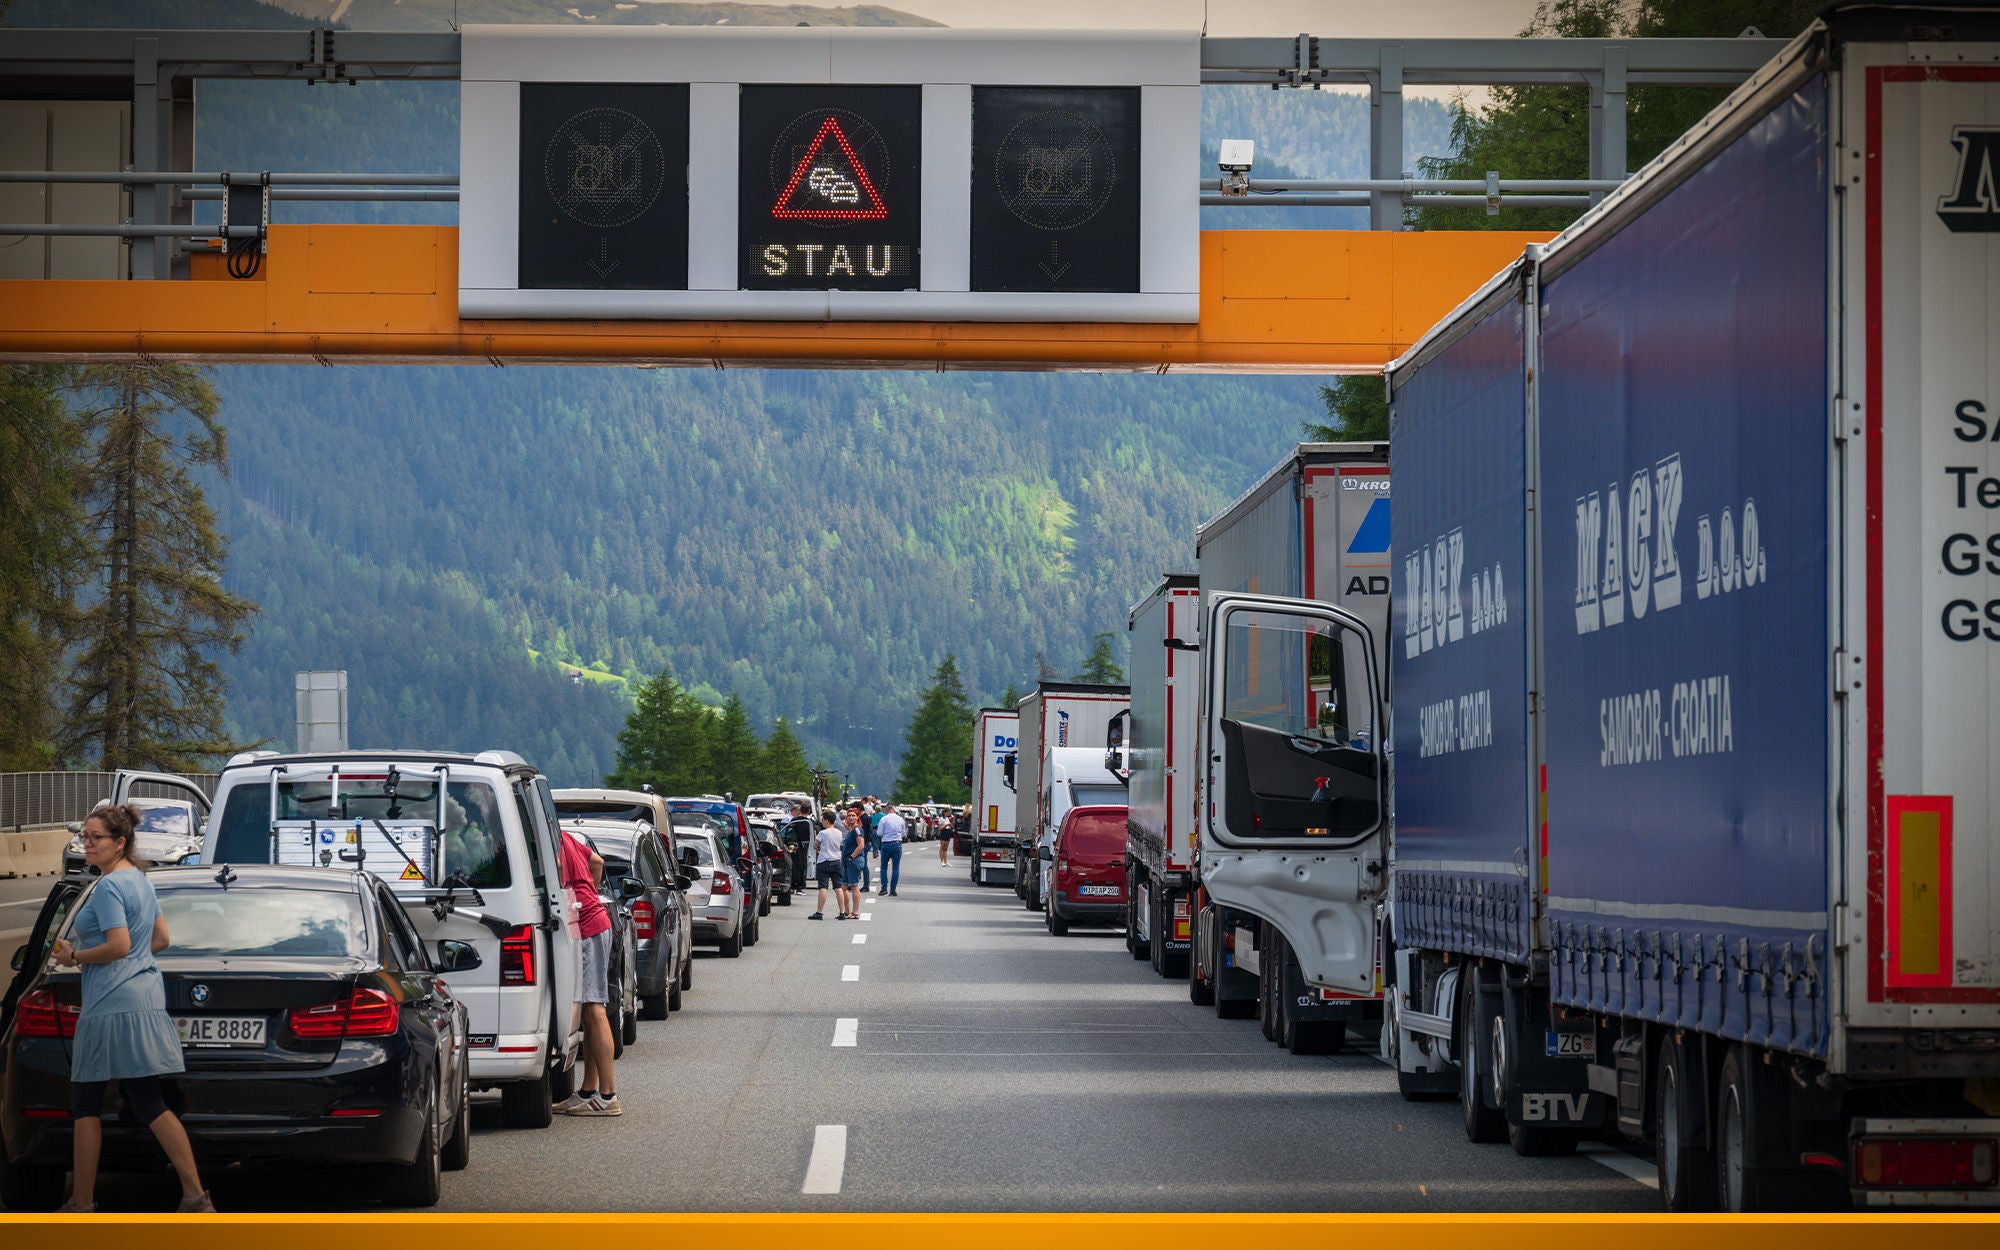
[{"x": 1694, "y": 645}]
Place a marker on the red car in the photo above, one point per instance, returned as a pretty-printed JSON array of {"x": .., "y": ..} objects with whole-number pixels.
[{"x": 1087, "y": 869}]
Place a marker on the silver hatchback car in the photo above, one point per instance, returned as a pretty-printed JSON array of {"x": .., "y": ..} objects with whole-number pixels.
[{"x": 715, "y": 899}]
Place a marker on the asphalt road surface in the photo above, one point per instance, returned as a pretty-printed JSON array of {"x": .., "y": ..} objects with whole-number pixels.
[{"x": 945, "y": 1053}]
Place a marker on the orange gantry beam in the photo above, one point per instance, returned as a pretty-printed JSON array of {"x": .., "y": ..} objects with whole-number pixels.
[{"x": 1320, "y": 301}]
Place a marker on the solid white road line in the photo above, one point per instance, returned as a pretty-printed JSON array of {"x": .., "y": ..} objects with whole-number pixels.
[
  {"x": 844, "y": 1030},
  {"x": 829, "y": 1160},
  {"x": 1620, "y": 1162},
  {"x": 850, "y": 972},
  {"x": 861, "y": 939}
]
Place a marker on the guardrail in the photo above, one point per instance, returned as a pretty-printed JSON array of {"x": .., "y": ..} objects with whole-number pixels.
[{"x": 36, "y": 800}]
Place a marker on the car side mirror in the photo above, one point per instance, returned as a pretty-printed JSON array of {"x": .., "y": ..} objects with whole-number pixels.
[
  {"x": 687, "y": 879},
  {"x": 1043, "y": 853},
  {"x": 20, "y": 959},
  {"x": 456, "y": 956},
  {"x": 630, "y": 888}
]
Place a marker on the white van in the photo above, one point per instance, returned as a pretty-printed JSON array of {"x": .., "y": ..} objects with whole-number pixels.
[
  {"x": 1070, "y": 777},
  {"x": 468, "y": 844}
]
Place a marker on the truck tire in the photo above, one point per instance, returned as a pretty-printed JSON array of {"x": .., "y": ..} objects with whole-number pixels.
[
  {"x": 526, "y": 1104},
  {"x": 1470, "y": 1029},
  {"x": 1740, "y": 1184},
  {"x": 1267, "y": 995},
  {"x": 1201, "y": 992},
  {"x": 1686, "y": 1167}
]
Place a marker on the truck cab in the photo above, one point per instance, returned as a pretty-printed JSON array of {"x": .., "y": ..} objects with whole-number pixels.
[{"x": 1292, "y": 815}]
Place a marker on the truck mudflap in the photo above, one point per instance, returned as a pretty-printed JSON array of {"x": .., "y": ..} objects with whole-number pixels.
[{"x": 1545, "y": 1073}]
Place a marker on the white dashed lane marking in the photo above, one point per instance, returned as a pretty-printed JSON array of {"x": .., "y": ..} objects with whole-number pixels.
[
  {"x": 850, "y": 972},
  {"x": 844, "y": 1030},
  {"x": 829, "y": 1160},
  {"x": 861, "y": 939}
]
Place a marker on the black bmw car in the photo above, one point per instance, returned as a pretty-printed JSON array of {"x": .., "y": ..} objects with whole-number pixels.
[{"x": 316, "y": 1028}]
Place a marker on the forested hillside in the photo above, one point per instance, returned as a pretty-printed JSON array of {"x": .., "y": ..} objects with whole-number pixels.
[{"x": 461, "y": 539}]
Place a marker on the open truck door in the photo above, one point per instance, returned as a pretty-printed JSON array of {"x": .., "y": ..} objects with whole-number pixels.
[{"x": 1295, "y": 813}]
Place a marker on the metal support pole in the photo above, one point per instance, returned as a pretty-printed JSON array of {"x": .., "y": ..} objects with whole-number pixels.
[
  {"x": 1607, "y": 119},
  {"x": 145, "y": 126},
  {"x": 1385, "y": 138}
]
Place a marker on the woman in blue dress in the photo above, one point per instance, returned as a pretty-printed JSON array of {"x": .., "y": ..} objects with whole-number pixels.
[{"x": 124, "y": 1033}]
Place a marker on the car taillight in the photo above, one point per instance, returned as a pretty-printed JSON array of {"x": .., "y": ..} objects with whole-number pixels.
[
  {"x": 366, "y": 1013},
  {"x": 517, "y": 956},
  {"x": 720, "y": 885},
  {"x": 642, "y": 919},
  {"x": 42, "y": 1016},
  {"x": 1925, "y": 1162}
]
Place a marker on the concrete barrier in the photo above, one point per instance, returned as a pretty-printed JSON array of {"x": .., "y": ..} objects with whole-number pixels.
[{"x": 32, "y": 852}]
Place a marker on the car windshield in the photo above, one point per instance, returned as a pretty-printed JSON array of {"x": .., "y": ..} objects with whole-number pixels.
[
  {"x": 167, "y": 822},
  {"x": 475, "y": 840},
  {"x": 286, "y": 923},
  {"x": 697, "y": 840},
  {"x": 604, "y": 809}
]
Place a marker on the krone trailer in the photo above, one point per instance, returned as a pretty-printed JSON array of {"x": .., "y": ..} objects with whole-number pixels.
[{"x": 1160, "y": 745}]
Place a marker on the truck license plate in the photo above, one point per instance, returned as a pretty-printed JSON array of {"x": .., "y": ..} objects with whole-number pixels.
[
  {"x": 205, "y": 1031},
  {"x": 1571, "y": 1045}
]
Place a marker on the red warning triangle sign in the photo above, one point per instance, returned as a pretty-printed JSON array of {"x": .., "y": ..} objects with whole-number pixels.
[{"x": 821, "y": 190}]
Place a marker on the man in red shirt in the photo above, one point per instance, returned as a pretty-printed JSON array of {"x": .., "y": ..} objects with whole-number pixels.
[{"x": 581, "y": 871}]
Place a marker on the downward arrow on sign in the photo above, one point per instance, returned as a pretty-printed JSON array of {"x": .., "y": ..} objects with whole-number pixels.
[
  {"x": 1050, "y": 267},
  {"x": 603, "y": 265}
]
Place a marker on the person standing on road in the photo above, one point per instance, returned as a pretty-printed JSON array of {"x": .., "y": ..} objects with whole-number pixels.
[
  {"x": 853, "y": 862},
  {"x": 124, "y": 1033},
  {"x": 826, "y": 865},
  {"x": 581, "y": 871},
  {"x": 891, "y": 830},
  {"x": 799, "y": 840}
]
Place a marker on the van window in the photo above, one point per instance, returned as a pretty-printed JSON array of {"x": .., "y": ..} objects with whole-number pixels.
[
  {"x": 1096, "y": 795},
  {"x": 475, "y": 838},
  {"x": 1096, "y": 834}
]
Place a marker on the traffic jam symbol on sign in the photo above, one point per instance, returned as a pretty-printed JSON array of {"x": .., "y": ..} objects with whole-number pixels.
[
  {"x": 830, "y": 197},
  {"x": 830, "y": 185}
]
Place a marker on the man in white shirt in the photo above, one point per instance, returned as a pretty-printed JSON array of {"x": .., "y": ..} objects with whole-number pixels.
[{"x": 891, "y": 830}]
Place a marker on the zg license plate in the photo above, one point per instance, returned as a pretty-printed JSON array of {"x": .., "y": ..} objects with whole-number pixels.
[
  {"x": 1571, "y": 1045},
  {"x": 205, "y": 1031},
  {"x": 1110, "y": 890}
]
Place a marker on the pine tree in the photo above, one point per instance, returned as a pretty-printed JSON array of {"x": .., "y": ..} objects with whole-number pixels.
[
  {"x": 933, "y": 764},
  {"x": 144, "y": 689},
  {"x": 1101, "y": 669},
  {"x": 42, "y": 546},
  {"x": 1010, "y": 697},
  {"x": 1044, "y": 671},
  {"x": 783, "y": 765},
  {"x": 666, "y": 740},
  {"x": 736, "y": 753},
  {"x": 1357, "y": 411}
]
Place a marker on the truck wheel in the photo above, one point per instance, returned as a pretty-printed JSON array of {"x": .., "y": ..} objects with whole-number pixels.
[
  {"x": 1686, "y": 1168},
  {"x": 1201, "y": 992},
  {"x": 1740, "y": 1184},
  {"x": 1470, "y": 1030},
  {"x": 526, "y": 1104},
  {"x": 1267, "y": 996}
]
